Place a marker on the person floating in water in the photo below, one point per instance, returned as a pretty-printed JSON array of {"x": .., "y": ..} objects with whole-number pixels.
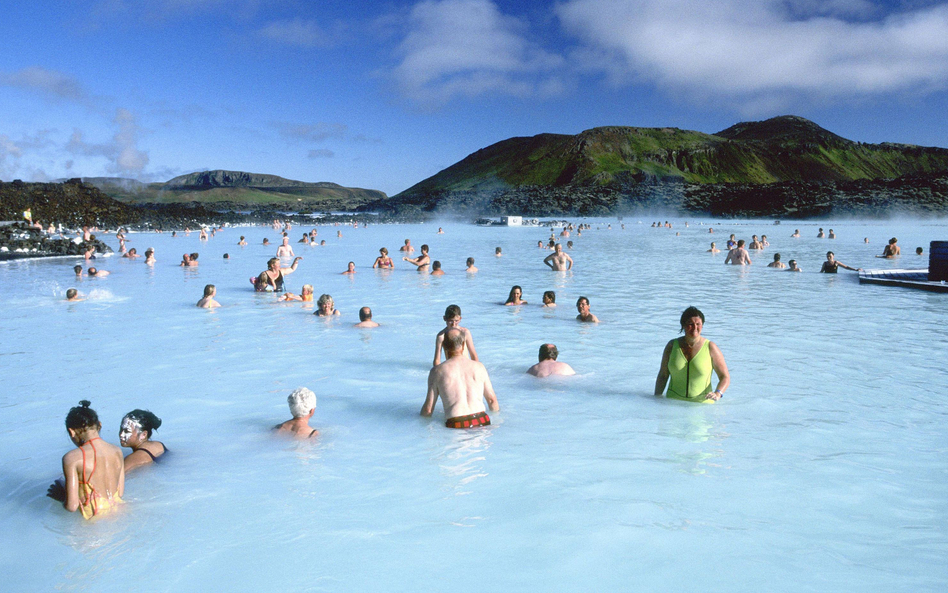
[
  {"x": 548, "y": 364},
  {"x": 688, "y": 362},
  {"x": 452, "y": 320},
  {"x": 302, "y": 404},
  {"x": 326, "y": 307},
  {"x": 820, "y": 234},
  {"x": 549, "y": 299},
  {"x": 738, "y": 256},
  {"x": 471, "y": 268},
  {"x": 582, "y": 305},
  {"x": 776, "y": 263},
  {"x": 98, "y": 273},
  {"x": 285, "y": 250},
  {"x": 383, "y": 260},
  {"x": 513, "y": 299},
  {"x": 793, "y": 266},
  {"x": 436, "y": 268},
  {"x": 73, "y": 295},
  {"x": 891, "y": 250},
  {"x": 421, "y": 262},
  {"x": 832, "y": 234},
  {"x": 306, "y": 296},
  {"x": 559, "y": 261},
  {"x": 207, "y": 301},
  {"x": 714, "y": 249},
  {"x": 831, "y": 265},
  {"x": 272, "y": 278},
  {"x": 462, "y": 385},
  {"x": 93, "y": 472},
  {"x": 919, "y": 251},
  {"x": 137, "y": 428},
  {"x": 796, "y": 234},
  {"x": 350, "y": 269},
  {"x": 498, "y": 252},
  {"x": 365, "y": 318},
  {"x": 407, "y": 247}
]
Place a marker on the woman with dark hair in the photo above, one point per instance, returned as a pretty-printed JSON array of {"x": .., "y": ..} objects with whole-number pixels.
[
  {"x": 688, "y": 362},
  {"x": 137, "y": 427},
  {"x": 94, "y": 473},
  {"x": 513, "y": 298}
]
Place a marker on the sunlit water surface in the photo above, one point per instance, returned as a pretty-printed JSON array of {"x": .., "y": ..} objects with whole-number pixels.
[{"x": 823, "y": 469}]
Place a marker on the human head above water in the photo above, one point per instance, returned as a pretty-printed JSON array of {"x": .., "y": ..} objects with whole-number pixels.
[
  {"x": 548, "y": 352},
  {"x": 452, "y": 311},
  {"x": 82, "y": 417},
  {"x": 71, "y": 293},
  {"x": 302, "y": 401},
  {"x": 688, "y": 313},
  {"x": 146, "y": 420},
  {"x": 453, "y": 340},
  {"x": 323, "y": 299},
  {"x": 470, "y": 261},
  {"x": 365, "y": 314},
  {"x": 549, "y": 296},
  {"x": 436, "y": 265},
  {"x": 209, "y": 290}
]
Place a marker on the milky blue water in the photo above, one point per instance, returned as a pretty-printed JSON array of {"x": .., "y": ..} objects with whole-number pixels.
[{"x": 823, "y": 469}]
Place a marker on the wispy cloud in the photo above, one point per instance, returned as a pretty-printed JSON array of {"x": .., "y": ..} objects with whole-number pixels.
[
  {"x": 317, "y": 132},
  {"x": 321, "y": 153},
  {"x": 296, "y": 32},
  {"x": 469, "y": 48},
  {"x": 49, "y": 83},
  {"x": 122, "y": 151},
  {"x": 763, "y": 50}
]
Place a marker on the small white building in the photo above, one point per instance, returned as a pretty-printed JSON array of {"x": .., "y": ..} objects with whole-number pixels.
[{"x": 511, "y": 220}]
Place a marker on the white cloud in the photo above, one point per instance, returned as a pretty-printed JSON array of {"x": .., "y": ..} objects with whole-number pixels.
[
  {"x": 122, "y": 152},
  {"x": 297, "y": 32},
  {"x": 321, "y": 153},
  {"x": 49, "y": 83},
  {"x": 760, "y": 49},
  {"x": 467, "y": 48}
]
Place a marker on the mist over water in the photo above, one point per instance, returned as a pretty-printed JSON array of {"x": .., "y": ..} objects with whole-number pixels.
[{"x": 822, "y": 469}]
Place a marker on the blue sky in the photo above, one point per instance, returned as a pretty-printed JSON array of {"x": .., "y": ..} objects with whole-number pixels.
[{"x": 384, "y": 94}]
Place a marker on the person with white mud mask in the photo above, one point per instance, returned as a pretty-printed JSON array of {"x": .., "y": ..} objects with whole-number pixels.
[{"x": 136, "y": 430}]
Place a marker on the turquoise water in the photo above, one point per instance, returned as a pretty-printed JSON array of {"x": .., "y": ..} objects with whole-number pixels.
[{"x": 822, "y": 469}]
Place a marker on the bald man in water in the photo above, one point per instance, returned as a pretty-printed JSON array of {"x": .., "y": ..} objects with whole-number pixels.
[
  {"x": 548, "y": 364},
  {"x": 559, "y": 261},
  {"x": 462, "y": 384}
]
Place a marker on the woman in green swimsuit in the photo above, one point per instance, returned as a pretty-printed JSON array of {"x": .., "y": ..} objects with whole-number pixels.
[{"x": 688, "y": 362}]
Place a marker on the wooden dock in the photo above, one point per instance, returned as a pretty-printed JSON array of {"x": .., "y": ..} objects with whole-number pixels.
[{"x": 905, "y": 278}]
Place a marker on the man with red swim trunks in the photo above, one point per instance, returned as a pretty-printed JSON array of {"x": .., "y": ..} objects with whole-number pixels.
[{"x": 462, "y": 384}]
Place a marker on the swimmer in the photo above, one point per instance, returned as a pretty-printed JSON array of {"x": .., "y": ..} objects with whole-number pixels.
[
  {"x": 582, "y": 305},
  {"x": 339, "y": 234},
  {"x": 548, "y": 364},
  {"x": 891, "y": 250},
  {"x": 713, "y": 249},
  {"x": 764, "y": 241},
  {"x": 193, "y": 260},
  {"x": 564, "y": 232},
  {"x": 131, "y": 253},
  {"x": 549, "y": 299},
  {"x": 285, "y": 250},
  {"x": 203, "y": 235},
  {"x": 832, "y": 235},
  {"x": 731, "y": 242},
  {"x": 407, "y": 248},
  {"x": 98, "y": 273},
  {"x": 306, "y": 296},
  {"x": 73, "y": 295},
  {"x": 94, "y": 473},
  {"x": 776, "y": 263},
  {"x": 471, "y": 269},
  {"x": 462, "y": 385},
  {"x": 540, "y": 245},
  {"x": 711, "y": 230},
  {"x": 302, "y": 404},
  {"x": 326, "y": 307},
  {"x": 136, "y": 431},
  {"x": 266, "y": 241},
  {"x": 150, "y": 256},
  {"x": 551, "y": 244},
  {"x": 351, "y": 269},
  {"x": 919, "y": 251},
  {"x": 755, "y": 244},
  {"x": 688, "y": 362},
  {"x": 89, "y": 253},
  {"x": 820, "y": 234},
  {"x": 559, "y": 261},
  {"x": 322, "y": 243},
  {"x": 831, "y": 265},
  {"x": 305, "y": 239},
  {"x": 421, "y": 262},
  {"x": 452, "y": 320},
  {"x": 513, "y": 299},
  {"x": 440, "y": 231},
  {"x": 793, "y": 266},
  {"x": 569, "y": 244},
  {"x": 273, "y": 277},
  {"x": 865, "y": 240},
  {"x": 383, "y": 260},
  {"x": 365, "y": 318},
  {"x": 497, "y": 252},
  {"x": 207, "y": 301},
  {"x": 436, "y": 268},
  {"x": 226, "y": 256},
  {"x": 242, "y": 241},
  {"x": 78, "y": 270},
  {"x": 738, "y": 256}
]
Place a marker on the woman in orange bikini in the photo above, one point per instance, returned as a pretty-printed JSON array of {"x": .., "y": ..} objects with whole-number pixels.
[{"x": 94, "y": 472}]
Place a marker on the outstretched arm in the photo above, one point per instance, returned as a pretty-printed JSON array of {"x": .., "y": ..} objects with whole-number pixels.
[
  {"x": 292, "y": 268},
  {"x": 662, "y": 379}
]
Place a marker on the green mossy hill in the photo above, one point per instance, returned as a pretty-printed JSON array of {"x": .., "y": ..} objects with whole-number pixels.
[
  {"x": 786, "y": 148},
  {"x": 238, "y": 190}
]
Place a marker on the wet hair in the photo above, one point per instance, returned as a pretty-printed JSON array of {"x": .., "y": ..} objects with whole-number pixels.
[
  {"x": 497, "y": 250},
  {"x": 569, "y": 243},
  {"x": 271, "y": 260},
  {"x": 209, "y": 290},
  {"x": 919, "y": 250},
  {"x": 92, "y": 271},
  {"x": 436, "y": 265},
  {"x": 470, "y": 261},
  {"x": 689, "y": 313},
  {"x": 77, "y": 269},
  {"x": 510, "y": 297},
  {"x": 324, "y": 298},
  {"x": 226, "y": 256},
  {"x": 548, "y": 352},
  {"x": 452, "y": 311},
  {"x": 194, "y": 256},
  {"x": 424, "y": 247},
  {"x": 776, "y": 257},
  {"x": 893, "y": 240},
  {"x": 550, "y": 294},
  {"x": 365, "y": 314},
  {"x": 82, "y": 417},
  {"x": 148, "y": 421},
  {"x": 453, "y": 340},
  {"x": 581, "y": 299},
  {"x": 383, "y": 251},
  {"x": 301, "y": 401},
  {"x": 71, "y": 293},
  {"x": 793, "y": 262}
]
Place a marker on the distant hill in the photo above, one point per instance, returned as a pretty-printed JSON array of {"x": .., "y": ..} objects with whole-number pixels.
[
  {"x": 602, "y": 167},
  {"x": 237, "y": 190}
]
